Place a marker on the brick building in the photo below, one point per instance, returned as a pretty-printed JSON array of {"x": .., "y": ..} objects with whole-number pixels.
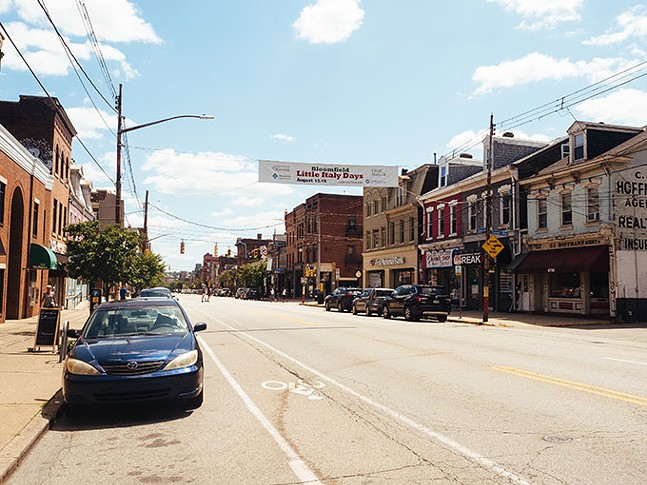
[
  {"x": 25, "y": 186},
  {"x": 324, "y": 243},
  {"x": 40, "y": 125}
]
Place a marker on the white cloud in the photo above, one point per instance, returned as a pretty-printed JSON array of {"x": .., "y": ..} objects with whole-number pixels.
[
  {"x": 539, "y": 67},
  {"x": 631, "y": 23},
  {"x": 467, "y": 138},
  {"x": 114, "y": 21},
  {"x": 282, "y": 137},
  {"x": 329, "y": 21},
  {"x": 90, "y": 123},
  {"x": 542, "y": 14},
  {"x": 624, "y": 106}
]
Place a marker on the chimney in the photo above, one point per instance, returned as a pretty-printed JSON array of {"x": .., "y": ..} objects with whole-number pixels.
[{"x": 259, "y": 236}]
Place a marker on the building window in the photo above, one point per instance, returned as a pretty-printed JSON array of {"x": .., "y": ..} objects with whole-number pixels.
[
  {"x": 542, "y": 213},
  {"x": 34, "y": 223},
  {"x": 383, "y": 235},
  {"x": 376, "y": 239},
  {"x": 592, "y": 204},
  {"x": 578, "y": 146},
  {"x": 392, "y": 232},
  {"x": 441, "y": 221},
  {"x": 60, "y": 219},
  {"x": 376, "y": 208},
  {"x": 472, "y": 214},
  {"x": 55, "y": 218},
  {"x": 367, "y": 237},
  {"x": 3, "y": 190},
  {"x": 400, "y": 196},
  {"x": 383, "y": 204},
  {"x": 412, "y": 229},
  {"x": 443, "y": 176},
  {"x": 453, "y": 219},
  {"x": 368, "y": 209},
  {"x": 430, "y": 223},
  {"x": 567, "y": 213},
  {"x": 506, "y": 202}
]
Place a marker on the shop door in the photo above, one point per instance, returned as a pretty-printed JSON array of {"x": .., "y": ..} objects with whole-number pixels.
[{"x": 524, "y": 293}]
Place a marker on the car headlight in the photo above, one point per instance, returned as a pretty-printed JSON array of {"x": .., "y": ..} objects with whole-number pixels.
[
  {"x": 184, "y": 360},
  {"x": 78, "y": 367}
]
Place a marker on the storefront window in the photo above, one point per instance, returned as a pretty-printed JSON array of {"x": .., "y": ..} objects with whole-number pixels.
[
  {"x": 403, "y": 277},
  {"x": 565, "y": 285},
  {"x": 600, "y": 285}
]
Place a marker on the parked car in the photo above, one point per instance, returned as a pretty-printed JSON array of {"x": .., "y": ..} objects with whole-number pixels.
[
  {"x": 135, "y": 351},
  {"x": 224, "y": 292},
  {"x": 341, "y": 298},
  {"x": 157, "y": 292},
  {"x": 252, "y": 294},
  {"x": 416, "y": 301},
  {"x": 371, "y": 300},
  {"x": 240, "y": 292}
]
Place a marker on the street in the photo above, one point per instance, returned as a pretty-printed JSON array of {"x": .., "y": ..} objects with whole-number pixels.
[{"x": 295, "y": 394}]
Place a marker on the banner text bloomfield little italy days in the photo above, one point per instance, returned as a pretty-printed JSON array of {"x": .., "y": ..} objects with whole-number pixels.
[{"x": 327, "y": 174}]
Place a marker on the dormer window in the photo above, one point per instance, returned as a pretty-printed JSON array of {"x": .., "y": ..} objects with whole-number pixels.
[
  {"x": 578, "y": 146},
  {"x": 443, "y": 176}
]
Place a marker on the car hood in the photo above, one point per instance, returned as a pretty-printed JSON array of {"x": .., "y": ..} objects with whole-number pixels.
[{"x": 133, "y": 348}]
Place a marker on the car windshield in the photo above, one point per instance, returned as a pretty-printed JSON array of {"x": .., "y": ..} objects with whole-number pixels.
[
  {"x": 154, "y": 292},
  {"x": 119, "y": 322}
]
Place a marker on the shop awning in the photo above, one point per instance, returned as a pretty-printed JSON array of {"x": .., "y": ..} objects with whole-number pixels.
[
  {"x": 41, "y": 257},
  {"x": 593, "y": 259}
]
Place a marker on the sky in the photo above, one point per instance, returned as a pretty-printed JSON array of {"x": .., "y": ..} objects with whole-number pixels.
[{"x": 372, "y": 82}]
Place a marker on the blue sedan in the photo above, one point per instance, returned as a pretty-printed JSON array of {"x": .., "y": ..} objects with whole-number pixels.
[{"x": 135, "y": 351}]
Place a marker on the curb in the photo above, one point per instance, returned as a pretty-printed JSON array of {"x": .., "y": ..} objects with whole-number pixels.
[{"x": 19, "y": 447}]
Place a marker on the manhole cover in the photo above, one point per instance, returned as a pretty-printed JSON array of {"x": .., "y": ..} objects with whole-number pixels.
[{"x": 557, "y": 439}]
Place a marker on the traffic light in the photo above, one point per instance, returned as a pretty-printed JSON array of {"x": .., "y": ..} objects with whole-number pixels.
[
  {"x": 182, "y": 247},
  {"x": 229, "y": 253}
]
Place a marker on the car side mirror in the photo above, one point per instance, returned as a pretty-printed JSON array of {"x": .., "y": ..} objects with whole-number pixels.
[
  {"x": 199, "y": 327},
  {"x": 73, "y": 333}
]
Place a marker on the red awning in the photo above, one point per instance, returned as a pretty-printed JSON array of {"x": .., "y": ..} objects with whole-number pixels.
[{"x": 593, "y": 259}]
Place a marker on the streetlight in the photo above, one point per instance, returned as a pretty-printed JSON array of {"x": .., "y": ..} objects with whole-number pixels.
[{"x": 121, "y": 131}]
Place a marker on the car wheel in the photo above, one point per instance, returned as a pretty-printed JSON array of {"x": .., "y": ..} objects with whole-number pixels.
[
  {"x": 408, "y": 314},
  {"x": 340, "y": 307},
  {"x": 386, "y": 313},
  {"x": 442, "y": 318},
  {"x": 195, "y": 402},
  {"x": 354, "y": 309},
  {"x": 327, "y": 306}
]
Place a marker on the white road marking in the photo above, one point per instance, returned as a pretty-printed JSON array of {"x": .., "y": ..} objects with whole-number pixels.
[
  {"x": 626, "y": 361},
  {"x": 441, "y": 438},
  {"x": 297, "y": 465}
]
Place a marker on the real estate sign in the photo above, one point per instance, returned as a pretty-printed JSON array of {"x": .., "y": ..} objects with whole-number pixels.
[{"x": 293, "y": 173}]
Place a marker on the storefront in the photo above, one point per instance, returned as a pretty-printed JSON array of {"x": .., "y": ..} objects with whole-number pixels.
[
  {"x": 470, "y": 284},
  {"x": 390, "y": 269},
  {"x": 571, "y": 280}
]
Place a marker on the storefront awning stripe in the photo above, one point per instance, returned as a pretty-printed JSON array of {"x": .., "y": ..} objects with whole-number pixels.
[
  {"x": 41, "y": 257},
  {"x": 594, "y": 259}
]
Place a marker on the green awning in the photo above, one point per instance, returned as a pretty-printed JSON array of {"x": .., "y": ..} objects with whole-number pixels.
[{"x": 41, "y": 257}]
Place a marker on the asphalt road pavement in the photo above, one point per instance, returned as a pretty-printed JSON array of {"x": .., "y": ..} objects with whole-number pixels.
[{"x": 295, "y": 394}]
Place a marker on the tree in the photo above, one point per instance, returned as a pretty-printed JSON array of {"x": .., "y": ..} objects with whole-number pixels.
[
  {"x": 253, "y": 274},
  {"x": 148, "y": 271},
  {"x": 109, "y": 255}
]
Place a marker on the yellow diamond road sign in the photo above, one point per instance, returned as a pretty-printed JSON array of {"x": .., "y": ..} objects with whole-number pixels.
[{"x": 493, "y": 246}]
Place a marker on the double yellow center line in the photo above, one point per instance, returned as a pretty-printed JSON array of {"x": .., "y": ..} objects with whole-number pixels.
[{"x": 600, "y": 391}]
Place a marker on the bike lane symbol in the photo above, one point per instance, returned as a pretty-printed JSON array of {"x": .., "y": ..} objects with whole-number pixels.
[{"x": 299, "y": 387}]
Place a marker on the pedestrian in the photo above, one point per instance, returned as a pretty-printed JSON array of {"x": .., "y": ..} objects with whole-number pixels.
[
  {"x": 122, "y": 292},
  {"x": 284, "y": 294},
  {"x": 204, "y": 294},
  {"x": 272, "y": 295},
  {"x": 208, "y": 294},
  {"x": 48, "y": 300}
]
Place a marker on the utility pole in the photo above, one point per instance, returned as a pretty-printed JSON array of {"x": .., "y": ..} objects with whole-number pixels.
[
  {"x": 488, "y": 224},
  {"x": 118, "y": 178},
  {"x": 146, "y": 242}
]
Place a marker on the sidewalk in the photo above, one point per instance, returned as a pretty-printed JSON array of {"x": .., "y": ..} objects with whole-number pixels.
[{"x": 29, "y": 387}]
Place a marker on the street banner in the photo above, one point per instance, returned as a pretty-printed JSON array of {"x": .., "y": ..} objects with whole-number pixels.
[{"x": 293, "y": 173}]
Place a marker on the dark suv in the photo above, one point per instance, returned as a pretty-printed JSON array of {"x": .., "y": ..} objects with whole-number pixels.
[
  {"x": 342, "y": 298},
  {"x": 371, "y": 300},
  {"x": 415, "y": 301}
]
